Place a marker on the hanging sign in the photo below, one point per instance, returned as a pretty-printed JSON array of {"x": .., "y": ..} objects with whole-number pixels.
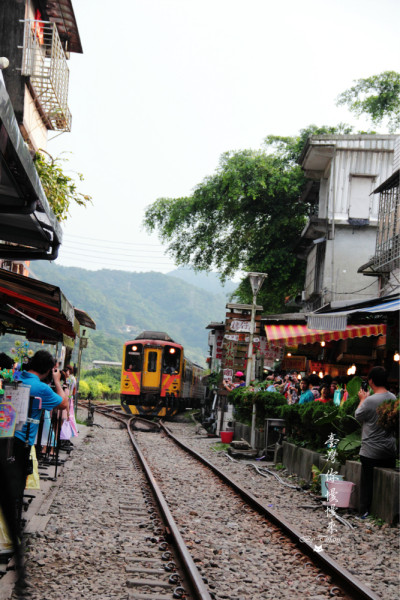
[{"x": 237, "y": 325}]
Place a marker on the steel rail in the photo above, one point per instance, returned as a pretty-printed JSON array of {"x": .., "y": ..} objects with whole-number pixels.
[
  {"x": 195, "y": 580},
  {"x": 343, "y": 577},
  {"x": 192, "y": 571}
]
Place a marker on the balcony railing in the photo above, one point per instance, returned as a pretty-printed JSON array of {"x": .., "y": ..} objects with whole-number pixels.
[
  {"x": 387, "y": 253},
  {"x": 44, "y": 62}
]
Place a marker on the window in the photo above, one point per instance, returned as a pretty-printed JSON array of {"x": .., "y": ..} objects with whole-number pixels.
[
  {"x": 133, "y": 357},
  {"x": 152, "y": 362},
  {"x": 360, "y": 190},
  {"x": 171, "y": 360}
]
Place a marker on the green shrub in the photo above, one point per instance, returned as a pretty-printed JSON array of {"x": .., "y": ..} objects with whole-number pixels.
[
  {"x": 100, "y": 382},
  {"x": 84, "y": 388},
  {"x": 267, "y": 405}
]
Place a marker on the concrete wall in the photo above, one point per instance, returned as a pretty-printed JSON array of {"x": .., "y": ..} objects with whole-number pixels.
[
  {"x": 244, "y": 432},
  {"x": 352, "y": 247},
  {"x": 385, "y": 501}
]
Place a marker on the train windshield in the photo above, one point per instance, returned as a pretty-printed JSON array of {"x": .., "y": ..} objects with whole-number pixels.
[
  {"x": 133, "y": 357},
  {"x": 171, "y": 360}
]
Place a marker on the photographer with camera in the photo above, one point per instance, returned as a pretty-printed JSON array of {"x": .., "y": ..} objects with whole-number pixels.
[
  {"x": 40, "y": 369},
  {"x": 378, "y": 447}
]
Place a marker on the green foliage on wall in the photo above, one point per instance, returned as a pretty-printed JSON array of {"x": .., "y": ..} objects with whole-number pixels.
[{"x": 60, "y": 188}]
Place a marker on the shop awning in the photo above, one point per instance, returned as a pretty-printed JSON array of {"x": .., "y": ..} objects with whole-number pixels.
[
  {"x": 84, "y": 319},
  {"x": 293, "y": 335},
  {"x": 41, "y": 301},
  {"x": 338, "y": 319},
  {"x": 16, "y": 322}
]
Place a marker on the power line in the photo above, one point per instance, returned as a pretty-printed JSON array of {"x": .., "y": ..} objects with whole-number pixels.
[
  {"x": 101, "y": 241},
  {"x": 79, "y": 244},
  {"x": 116, "y": 259},
  {"x": 354, "y": 292},
  {"x": 82, "y": 246}
]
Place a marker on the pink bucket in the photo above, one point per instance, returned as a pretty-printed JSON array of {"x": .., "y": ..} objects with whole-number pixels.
[{"x": 339, "y": 493}]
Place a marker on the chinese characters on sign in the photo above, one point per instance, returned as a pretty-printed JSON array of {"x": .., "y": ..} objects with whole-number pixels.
[
  {"x": 230, "y": 351},
  {"x": 332, "y": 498},
  {"x": 217, "y": 349}
]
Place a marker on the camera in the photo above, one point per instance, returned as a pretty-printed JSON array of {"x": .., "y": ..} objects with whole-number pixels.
[{"x": 364, "y": 386}]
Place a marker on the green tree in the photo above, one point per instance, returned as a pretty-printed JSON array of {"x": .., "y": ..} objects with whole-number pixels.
[
  {"x": 377, "y": 96},
  {"x": 60, "y": 188},
  {"x": 247, "y": 216}
]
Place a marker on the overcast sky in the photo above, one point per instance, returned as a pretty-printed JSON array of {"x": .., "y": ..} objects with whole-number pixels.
[{"x": 164, "y": 87}]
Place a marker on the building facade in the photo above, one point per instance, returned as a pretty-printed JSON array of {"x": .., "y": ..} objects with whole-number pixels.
[
  {"x": 340, "y": 235},
  {"x": 37, "y": 37}
]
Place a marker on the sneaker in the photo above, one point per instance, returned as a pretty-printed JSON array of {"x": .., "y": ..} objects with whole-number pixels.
[{"x": 362, "y": 517}]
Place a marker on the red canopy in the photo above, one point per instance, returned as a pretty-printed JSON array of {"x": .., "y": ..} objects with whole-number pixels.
[{"x": 293, "y": 335}]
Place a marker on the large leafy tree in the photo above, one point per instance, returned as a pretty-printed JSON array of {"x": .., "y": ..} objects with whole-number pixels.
[
  {"x": 247, "y": 216},
  {"x": 377, "y": 96}
]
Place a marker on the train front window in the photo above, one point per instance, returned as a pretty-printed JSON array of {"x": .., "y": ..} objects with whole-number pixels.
[
  {"x": 133, "y": 357},
  {"x": 171, "y": 360},
  {"x": 152, "y": 362}
]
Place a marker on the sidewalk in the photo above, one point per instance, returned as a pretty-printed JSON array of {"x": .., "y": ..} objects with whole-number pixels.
[{"x": 37, "y": 515}]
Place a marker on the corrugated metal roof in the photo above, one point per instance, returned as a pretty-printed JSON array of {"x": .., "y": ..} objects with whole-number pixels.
[
  {"x": 62, "y": 14},
  {"x": 391, "y": 182}
]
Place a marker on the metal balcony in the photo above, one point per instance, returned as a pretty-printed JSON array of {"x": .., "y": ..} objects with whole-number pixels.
[{"x": 44, "y": 62}]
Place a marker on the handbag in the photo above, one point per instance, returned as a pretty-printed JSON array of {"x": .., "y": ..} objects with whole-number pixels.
[{"x": 66, "y": 431}]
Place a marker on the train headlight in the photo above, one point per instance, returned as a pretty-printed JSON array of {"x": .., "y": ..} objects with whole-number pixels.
[
  {"x": 134, "y": 348},
  {"x": 172, "y": 350}
]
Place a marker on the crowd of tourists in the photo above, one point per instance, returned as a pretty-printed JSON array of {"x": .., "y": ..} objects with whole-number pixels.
[{"x": 301, "y": 390}]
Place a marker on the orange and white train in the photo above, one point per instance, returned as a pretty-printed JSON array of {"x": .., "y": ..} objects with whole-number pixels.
[{"x": 157, "y": 379}]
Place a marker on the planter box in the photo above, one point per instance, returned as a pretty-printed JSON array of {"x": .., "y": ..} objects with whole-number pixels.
[{"x": 299, "y": 460}]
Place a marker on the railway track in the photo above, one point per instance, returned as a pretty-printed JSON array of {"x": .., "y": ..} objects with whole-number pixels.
[
  {"x": 149, "y": 573},
  {"x": 252, "y": 540}
]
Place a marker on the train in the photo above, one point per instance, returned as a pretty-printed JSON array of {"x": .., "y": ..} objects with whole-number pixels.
[{"x": 157, "y": 380}]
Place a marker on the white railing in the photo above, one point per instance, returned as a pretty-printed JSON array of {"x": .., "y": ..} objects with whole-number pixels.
[
  {"x": 44, "y": 62},
  {"x": 387, "y": 253}
]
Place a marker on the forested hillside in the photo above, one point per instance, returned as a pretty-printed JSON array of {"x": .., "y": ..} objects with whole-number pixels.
[{"x": 123, "y": 304}]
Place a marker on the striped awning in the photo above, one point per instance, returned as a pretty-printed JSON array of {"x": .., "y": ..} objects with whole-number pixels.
[{"x": 293, "y": 335}]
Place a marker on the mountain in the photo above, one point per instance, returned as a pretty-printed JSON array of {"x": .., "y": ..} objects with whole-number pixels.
[
  {"x": 206, "y": 281},
  {"x": 123, "y": 304}
]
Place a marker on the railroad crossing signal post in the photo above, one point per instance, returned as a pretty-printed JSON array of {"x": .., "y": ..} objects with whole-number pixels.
[{"x": 256, "y": 281}]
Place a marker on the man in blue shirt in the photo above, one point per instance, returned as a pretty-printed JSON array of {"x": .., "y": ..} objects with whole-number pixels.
[
  {"x": 39, "y": 369},
  {"x": 306, "y": 393},
  {"x": 15, "y": 469}
]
